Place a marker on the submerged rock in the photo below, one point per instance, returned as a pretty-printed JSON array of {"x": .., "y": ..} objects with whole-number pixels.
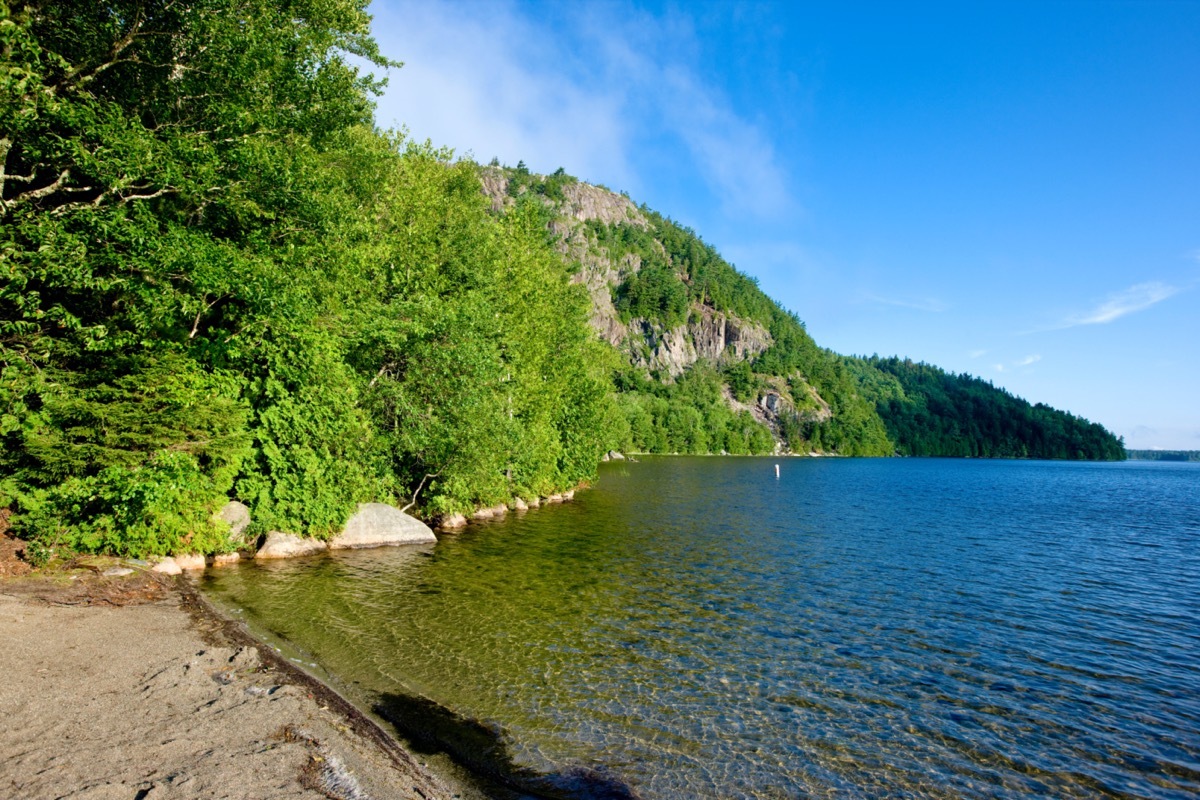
[
  {"x": 452, "y": 521},
  {"x": 288, "y": 545},
  {"x": 381, "y": 525}
]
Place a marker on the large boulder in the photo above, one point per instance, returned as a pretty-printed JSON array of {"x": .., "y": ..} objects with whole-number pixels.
[
  {"x": 381, "y": 525},
  {"x": 237, "y": 516},
  {"x": 288, "y": 545}
]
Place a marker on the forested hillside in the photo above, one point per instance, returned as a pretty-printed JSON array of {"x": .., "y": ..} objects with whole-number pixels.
[
  {"x": 711, "y": 364},
  {"x": 219, "y": 280},
  {"x": 930, "y": 412}
]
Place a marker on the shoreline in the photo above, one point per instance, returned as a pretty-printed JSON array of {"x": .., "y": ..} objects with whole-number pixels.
[{"x": 136, "y": 686}]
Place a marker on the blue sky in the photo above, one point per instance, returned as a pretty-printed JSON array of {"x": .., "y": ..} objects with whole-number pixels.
[{"x": 1010, "y": 190}]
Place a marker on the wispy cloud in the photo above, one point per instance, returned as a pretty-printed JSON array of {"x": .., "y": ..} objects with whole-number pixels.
[
  {"x": 977, "y": 353},
  {"x": 1021, "y": 362},
  {"x": 916, "y": 303},
  {"x": 1119, "y": 304},
  {"x": 584, "y": 90}
]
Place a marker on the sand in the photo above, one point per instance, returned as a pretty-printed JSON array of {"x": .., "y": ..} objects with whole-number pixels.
[{"x": 135, "y": 691}]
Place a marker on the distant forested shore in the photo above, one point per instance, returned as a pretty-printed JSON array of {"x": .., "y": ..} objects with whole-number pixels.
[{"x": 1163, "y": 455}]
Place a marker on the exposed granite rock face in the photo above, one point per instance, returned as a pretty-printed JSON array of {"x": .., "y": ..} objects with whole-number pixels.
[
  {"x": 709, "y": 335},
  {"x": 585, "y": 202},
  {"x": 288, "y": 545},
  {"x": 226, "y": 559},
  {"x": 381, "y": 525}
]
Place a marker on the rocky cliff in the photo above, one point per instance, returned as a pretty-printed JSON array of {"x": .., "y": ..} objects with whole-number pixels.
[{"x": 715, "y": 337}]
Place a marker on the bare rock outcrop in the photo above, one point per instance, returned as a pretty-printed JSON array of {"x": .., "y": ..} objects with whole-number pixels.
[{"x": 713, "y": 336}]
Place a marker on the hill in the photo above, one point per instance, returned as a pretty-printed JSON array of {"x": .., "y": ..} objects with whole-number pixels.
[{"x": 710, "y": 363}]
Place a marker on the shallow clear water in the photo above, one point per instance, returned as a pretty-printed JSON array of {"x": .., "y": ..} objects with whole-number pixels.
[{"x": 854, "y": 628}]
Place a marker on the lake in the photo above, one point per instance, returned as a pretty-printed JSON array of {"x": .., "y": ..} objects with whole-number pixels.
[{"x": 699, "y": 628}]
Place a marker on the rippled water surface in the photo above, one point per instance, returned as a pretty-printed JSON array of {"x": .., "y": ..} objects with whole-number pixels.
[{"x": 854, "y": 628}]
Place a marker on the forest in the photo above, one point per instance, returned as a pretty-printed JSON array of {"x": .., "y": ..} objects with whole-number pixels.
[
  {"x": 930, "y": 412},
  {"x": 1163, "y": 455},
  {"x": 220, "y": 280}
]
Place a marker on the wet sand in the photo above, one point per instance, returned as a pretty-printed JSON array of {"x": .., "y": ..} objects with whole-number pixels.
[{"x": 133, "y": 688}]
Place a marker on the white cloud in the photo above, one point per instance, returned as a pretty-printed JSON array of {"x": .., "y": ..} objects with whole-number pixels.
[
  {"x": 1119, "y": 304},
  {"x": 1027, "y": 360},
  {"x": 998, "y": 367},
  {"x": 480, "y": 81},
  {"x": 583, "y": 90},
  {"x": 916, "y": 303},
  {"x": 977, "y": 353}
]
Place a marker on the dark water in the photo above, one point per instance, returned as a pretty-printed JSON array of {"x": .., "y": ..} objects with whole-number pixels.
[{"x": 856, "y": 628}]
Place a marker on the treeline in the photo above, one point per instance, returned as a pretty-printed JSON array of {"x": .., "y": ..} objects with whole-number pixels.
[
  {"x": 220, "y": 281},
  {"x": 930, "y": 412},
  {"x": 1163, "y": 455}
]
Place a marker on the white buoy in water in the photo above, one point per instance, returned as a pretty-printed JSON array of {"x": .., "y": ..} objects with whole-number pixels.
[{"x": 776, "y": 470}]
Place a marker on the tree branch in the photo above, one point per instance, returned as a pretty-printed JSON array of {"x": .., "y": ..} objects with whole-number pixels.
[
  {"x": 200, "y": 313},
  {"x": 420, "y": 486}
]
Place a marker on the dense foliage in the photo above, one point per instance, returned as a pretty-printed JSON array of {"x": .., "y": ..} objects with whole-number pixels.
[
  {"x": 929, "y": 412},
  {"x": 220, "y": 281},
  {"x": 689, "y": 415}
]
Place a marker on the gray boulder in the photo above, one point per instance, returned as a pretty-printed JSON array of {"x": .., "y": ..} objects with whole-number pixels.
[
  {"x": 288, "y": 545},
  {"x": 237, "y": 516},
  {"x": 381, "y": 525}
]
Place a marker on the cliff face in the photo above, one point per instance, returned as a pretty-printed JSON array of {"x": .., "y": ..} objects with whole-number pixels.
[{"x": 719, "y": 338}]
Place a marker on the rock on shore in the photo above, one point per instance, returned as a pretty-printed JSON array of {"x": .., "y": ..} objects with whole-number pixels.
[
  {"x": 288, "y": 545},
  {"x": 381, "y": 525}
]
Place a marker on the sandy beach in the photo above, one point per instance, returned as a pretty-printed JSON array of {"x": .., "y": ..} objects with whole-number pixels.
[{"x": 131, "y": 687}]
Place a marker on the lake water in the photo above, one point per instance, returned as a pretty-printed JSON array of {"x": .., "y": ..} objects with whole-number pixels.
[{"x": 698, "y": 628}]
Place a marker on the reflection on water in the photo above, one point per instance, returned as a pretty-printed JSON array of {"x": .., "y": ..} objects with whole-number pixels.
[{"x": 855, "y": 628}]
